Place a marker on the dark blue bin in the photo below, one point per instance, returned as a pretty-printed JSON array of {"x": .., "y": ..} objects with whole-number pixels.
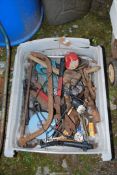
[{"x": 21, "y": 19}]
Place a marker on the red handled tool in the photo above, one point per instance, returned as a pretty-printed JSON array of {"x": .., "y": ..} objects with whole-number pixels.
[{"x": 41, "y": 94}]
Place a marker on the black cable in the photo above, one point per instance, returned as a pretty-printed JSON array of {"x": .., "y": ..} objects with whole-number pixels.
[
  {"x": 43, "y": 85},
  {"x": 41, "y": 88},
  {"x": 35, "y": 109},
  {"x": 40, "y": 121}
]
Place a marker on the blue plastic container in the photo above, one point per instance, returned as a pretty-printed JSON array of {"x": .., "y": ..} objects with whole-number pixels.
[{"x": 21, "y": 19}]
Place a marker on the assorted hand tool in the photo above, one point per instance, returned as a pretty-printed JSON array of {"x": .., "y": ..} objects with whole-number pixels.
[{"x": 60, "y": 110}]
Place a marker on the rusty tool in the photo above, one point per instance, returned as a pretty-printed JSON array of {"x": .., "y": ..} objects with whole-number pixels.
[
  {"x": 61, "y": 73},
  {"x": 93, "y": 69},
  {"x": 88, "y": 83},
  {"x": 40, "y": 95},
  {"x": 71, "y": 119},
  {"x": 26, "y": 138},
  {"x": 39, "y": 61},
  {"x": 92, "y": 110},
  {"x": 90, "y": 96},
  {"x": 57, "y": 104},
  {"x": 26, "y": 101},
  {"x": 70, "y": 75}
]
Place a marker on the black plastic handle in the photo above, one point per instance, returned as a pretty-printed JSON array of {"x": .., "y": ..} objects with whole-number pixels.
[{"x": 83, "y": 145}]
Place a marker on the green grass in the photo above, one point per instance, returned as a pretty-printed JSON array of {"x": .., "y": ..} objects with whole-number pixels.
[
  {"x": 27, "y": 164},
  {"x": 91, "y": 26},
  {"x": 112, "y": 92}
]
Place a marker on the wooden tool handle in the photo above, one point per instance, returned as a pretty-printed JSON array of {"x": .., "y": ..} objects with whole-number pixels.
[{"x": 43, "y": 63}]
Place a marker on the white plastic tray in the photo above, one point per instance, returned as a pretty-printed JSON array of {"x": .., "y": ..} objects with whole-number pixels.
[
  {"x": 113, "y": 17},
  {"x": 52, "y": 46}
]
